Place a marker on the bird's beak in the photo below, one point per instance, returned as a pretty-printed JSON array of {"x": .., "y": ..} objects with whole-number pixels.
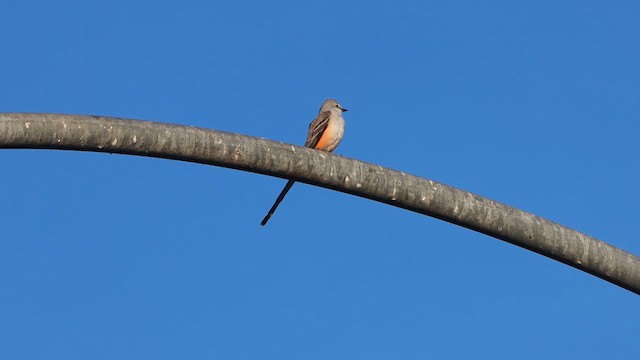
[{"x": 343, "y": 109}]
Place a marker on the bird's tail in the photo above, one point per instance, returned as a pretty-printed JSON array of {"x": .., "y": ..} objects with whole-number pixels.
[{"x": 283, "y": 193}]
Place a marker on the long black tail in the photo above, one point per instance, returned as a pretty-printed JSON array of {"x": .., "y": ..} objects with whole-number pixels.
[{"x": 278, "y": 201}]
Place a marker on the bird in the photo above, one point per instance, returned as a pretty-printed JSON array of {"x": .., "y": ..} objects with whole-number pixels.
[{"x": 325, "y": 133}]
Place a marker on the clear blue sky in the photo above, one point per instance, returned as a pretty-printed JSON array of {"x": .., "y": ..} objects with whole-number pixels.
[{"x": 118, "y": 257}]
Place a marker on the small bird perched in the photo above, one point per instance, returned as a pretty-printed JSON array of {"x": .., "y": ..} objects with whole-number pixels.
[{"x": 325, "y": 133}]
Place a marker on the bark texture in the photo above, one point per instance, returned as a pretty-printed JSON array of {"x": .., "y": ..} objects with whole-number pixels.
[{"x": 170, "y": 141}]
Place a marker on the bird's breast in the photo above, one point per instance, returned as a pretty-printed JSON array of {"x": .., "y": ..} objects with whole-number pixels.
[{"x": 332, "y": 134}]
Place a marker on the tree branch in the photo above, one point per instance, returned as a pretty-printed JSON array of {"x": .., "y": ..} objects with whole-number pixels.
[{"x": 105, "y": 134}]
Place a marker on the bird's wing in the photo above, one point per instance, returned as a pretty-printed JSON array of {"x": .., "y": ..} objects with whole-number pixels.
[{"x": 317, "y": 128}]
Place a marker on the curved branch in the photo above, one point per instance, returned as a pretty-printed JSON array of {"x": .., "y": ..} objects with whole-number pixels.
[{"x": 105, "y": 134}]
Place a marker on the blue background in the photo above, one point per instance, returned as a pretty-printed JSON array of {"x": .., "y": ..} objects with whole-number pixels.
[{"x": 117, "y": 257}]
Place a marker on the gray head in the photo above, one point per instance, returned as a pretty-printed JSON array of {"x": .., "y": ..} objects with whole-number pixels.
[{"x": 331, "y": 104}]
